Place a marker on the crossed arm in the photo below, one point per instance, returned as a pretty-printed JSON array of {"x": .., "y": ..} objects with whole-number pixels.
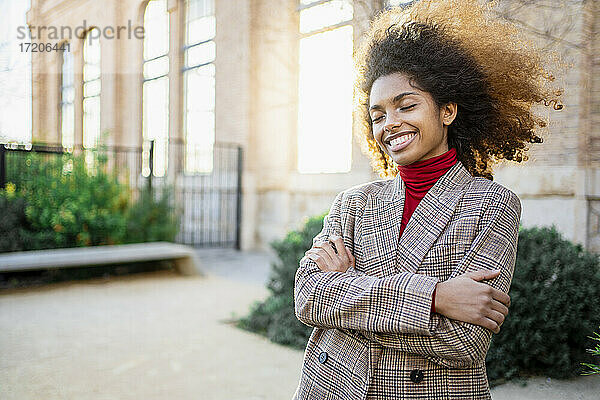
[{"x": 395, "y": 311}]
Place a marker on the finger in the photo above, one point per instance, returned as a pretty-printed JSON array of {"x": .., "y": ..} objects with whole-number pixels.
[
  {"x": 342, "y": 253},
  {"x": 319, "y": 254},
  {"x": 334, "y": 258},
  {"x": 497, "y": 317},
  {"x": 489, "y": 324},
  {"x": 312, "y": 255},
  {"x": 322, "y": 259},
  {"x": 501, "y": 308},
  {"x": 331, "y": 241},
  {"x": 311, "y": 251},
  {"x": 326, "y": 246},
  {"x": 483, "y": 274},
  {"x": 351, "y": 257},
  {"x": 496, "y": 330},
  {"x": 501, "y": 297}
]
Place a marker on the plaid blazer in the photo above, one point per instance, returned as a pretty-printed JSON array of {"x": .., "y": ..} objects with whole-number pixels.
[{"x": 375, "y": 336}]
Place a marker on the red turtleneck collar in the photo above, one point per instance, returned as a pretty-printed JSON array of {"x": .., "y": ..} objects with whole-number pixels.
[{"x": 419, "y": 177}]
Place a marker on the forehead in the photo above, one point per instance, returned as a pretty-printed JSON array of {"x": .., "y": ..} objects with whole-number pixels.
[{"x": 385, "y": 88}]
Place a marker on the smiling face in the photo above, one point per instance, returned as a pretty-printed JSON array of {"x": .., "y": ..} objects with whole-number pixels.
[{"x": 407, "y": 123}]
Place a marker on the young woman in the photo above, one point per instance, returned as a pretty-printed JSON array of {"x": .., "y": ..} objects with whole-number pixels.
[{"x": 409, "y": 277}]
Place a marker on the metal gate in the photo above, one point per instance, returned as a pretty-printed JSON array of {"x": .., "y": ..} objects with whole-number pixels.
[{"x": 211, "y": 202}]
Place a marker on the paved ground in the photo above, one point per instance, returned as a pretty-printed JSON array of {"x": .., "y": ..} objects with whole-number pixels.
[
  {"x": 151, "y": 336},
  {"x": 248, "y": 266},
  {"x": 163, "y": 336}
]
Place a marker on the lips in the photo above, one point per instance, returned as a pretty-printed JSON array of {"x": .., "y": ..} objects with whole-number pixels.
[
  {"x": 394, "y": 141},
  {"x": 397, "y": 135}
]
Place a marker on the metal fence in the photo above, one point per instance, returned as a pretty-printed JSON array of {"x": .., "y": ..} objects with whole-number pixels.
[{"x": 206, "y": 184}]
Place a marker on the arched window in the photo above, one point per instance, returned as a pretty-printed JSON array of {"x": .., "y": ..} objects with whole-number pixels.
[
  {"x": 91, "y": 88},
  {"x": 67, "y": 98},
  {"x": 325, "y": 86},
  {"x": 199, "y": 85},
  {"x": 155, "y": 99}
]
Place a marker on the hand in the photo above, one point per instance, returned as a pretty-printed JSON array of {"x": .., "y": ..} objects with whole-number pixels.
[
  {"x": 331, "y": 255},
  {"x": 465, "y": 299}
]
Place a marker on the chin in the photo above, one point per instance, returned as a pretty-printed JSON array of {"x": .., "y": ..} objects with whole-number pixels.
[
  {"x": 405, "y": 163},
  {"x": 404, "y": 160}
]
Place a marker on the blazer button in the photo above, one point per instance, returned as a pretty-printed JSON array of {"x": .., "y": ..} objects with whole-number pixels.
[
  {"x": 322, "y": 357},
  {"x": 416, "y": 375}
]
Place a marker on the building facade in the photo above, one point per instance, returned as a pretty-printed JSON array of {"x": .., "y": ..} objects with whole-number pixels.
[{"x": 254, "y": 73}]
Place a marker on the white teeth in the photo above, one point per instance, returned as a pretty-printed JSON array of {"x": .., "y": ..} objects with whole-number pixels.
[{"x": 402, "y": 139}]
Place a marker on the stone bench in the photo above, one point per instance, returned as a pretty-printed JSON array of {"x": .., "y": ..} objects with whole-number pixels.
[{"x": 184, "y": 257}]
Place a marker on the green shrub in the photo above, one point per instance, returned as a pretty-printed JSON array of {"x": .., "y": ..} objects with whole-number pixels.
[
  {"x": 593, "y": 368},
  {"x": 275, "y": 317},
  {"x": 72, "y": 201},
  {"x": 62, "y": 200},
  {"x": 152, "y": 218},
  {"x": 15, "y": 230},
  {"x": 554, "y": 304}
]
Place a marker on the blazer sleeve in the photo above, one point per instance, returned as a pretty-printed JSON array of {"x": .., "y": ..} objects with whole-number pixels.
[
  {"x": 356, "y": 301},
  {"x": 458, "y": 344}
]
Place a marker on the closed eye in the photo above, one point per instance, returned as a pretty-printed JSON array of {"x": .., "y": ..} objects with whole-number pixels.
[{"x": 376, "y": 120}]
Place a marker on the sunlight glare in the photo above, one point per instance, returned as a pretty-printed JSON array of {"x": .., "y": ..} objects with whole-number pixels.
[{"x": 325, "y": 102}]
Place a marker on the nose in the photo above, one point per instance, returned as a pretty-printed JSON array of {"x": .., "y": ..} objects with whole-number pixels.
[{"x": 392, "y": 122}]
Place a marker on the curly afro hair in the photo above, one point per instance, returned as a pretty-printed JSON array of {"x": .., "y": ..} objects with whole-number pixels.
[{"x": 457, "y": 52}]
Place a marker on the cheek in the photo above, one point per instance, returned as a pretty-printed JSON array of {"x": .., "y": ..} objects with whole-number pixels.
[
  {"x": 417, "y": 118},
  {"x": 377, "y": 133},
  {"x": 422, "y": 122}
]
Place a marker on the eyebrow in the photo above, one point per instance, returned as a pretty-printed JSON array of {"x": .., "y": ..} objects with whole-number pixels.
[{"x": 394, "y": 100}]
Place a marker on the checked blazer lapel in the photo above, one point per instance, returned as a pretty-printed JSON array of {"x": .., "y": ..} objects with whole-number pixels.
[{"x": 434, "y": 211}]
